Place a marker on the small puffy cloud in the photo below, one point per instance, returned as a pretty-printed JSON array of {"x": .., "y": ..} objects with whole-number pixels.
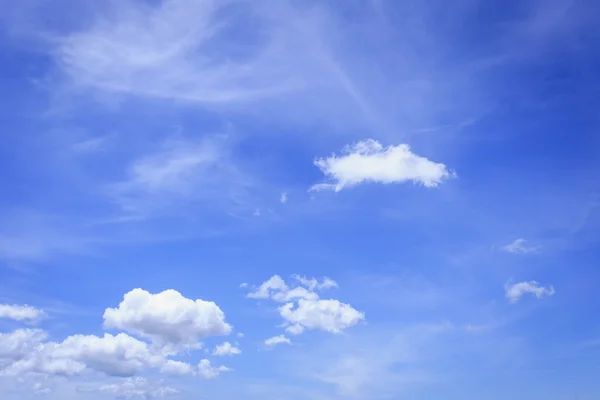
[
  {"x": 520, "y": 246},
  {"x": 226, "y": 349},
  {"x": 312, "y": 283},
  {"x": 172, "y": 367},
  {"x": 283, "y": 198},
  {"x": 137, "y": 388},
  {"x": 240, "y": 335},
  {"x": 327, "y": 315},
  {"x": 275, "y": 340},
  {"x": 207, "y": 371},
  {"x": 304, "y": 309},
  {"x": 167, "y": 318},
  {"x": 370, "y": 161},
  {"x": 515, "y": 291},
  {"x": 276, "y": 289},
  {"x": 20, "y": 312},
  {"x": 273, "y": 285}
]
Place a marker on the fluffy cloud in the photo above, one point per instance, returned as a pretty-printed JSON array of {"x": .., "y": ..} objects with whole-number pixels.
[
  {"x": 327, "y": 315},
  {"x": 167, "y": 318},
  {"x": 515, "y": 291},
  {"x": 275, "y": 340},
  {"x": 369, "y": 161},
  {"x": 226, "y": 349},
  {"x": 173, "y": 367},
  {"x": 283, "y": 198},
  {"x": 312, "y": 283},
  {"x": 119, "y": 355},
  {"x": 172, "y": 323},
  {"x": 303, "y": 308},
  {"x": 137, "y": 387},
  {"x": 18, "y": 344},
  {"x": 207, "y": 371},
  {"x": 276, "y": 289},
  {"x": 20, "y": 312},
  {"x": 520, "y": 246}
]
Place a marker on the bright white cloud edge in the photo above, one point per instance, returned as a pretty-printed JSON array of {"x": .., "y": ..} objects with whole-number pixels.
[{"x": 369, "y": 161}]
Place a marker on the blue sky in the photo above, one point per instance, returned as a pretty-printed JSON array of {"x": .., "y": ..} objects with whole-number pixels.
[{"x": 299, "y": 199}]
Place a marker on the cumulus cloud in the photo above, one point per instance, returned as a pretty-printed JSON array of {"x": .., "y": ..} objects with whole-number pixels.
[
  {"x": 283, "y": 198},
  {"x": 207, "y": 371},
  {"x": 170, "y": 321},
  {"x": 173, "y": 367},
  {"x": 312, "y": 283},
  {"x": 515, "y": 291},
  {"x": 20, "y": 312},
  {"x": 276, "y": 289},
  {"x": 119, "y": 355},
  {"x": 369, "y": 161},
  {"x": 226, "y": 349},
  {"x": 304, "y": 309},
  {"x": 138, "y": 388},
  {"x": 19, "y": 343},
  {"x": 275, "y": 340},
  {"x": 167, "y": 318},
  {"x": 327, "y": 315},
  {"x": 520, "y": 246}
]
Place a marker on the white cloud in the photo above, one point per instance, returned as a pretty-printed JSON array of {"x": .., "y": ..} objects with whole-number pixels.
[
  {"x": 275, "y": 340},
  {"x": 137, "y": 388},
  {"x": 369, "y": 161},
  {"x": 119, "y": 355},
  {"x": 327, "y": 315},
  {"x": 273, "y": 285},
  {"x": 312, "y": 283},
  {"x": 173, "y": 367},
  {"x": 172, "y": 322},
  {"x": 207, "y": 371},
  {"x": 167, "y": 318},
  {"x": 240, "y": 335},
  {"x": 520, "y": 246},
  {"x": 515, "y": 291},
  {"x": 226, "y": 349},
  {"x": 20, "y": 312},
  {"x": 19, "y": 343},
  {"x": 304, "y": 310},
  {"x": 283, "y": 198},
  {"x": 276, "y": 289}
]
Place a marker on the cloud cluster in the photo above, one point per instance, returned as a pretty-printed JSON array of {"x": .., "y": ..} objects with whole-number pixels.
[
  {"x": 304, "y": 309},
  {"x": 170, "y": 321},
  {"x": 370, "y": 161},
  {"x": 516, "y": 290}
]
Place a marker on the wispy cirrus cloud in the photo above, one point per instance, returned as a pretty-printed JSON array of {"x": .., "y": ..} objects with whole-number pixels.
[
  {"x": 181, "y": 171},
  {"x": 520, "y": 246},
  {"x": 515, "y": 291}
]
